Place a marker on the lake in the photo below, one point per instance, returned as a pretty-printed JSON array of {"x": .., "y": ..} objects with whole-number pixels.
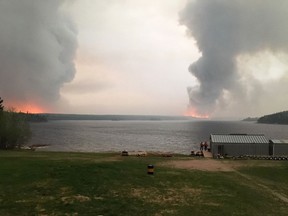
[{"x": 164, "y": 136}]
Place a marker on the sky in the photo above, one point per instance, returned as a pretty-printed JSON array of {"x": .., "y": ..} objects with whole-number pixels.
[
  {"x": 132, "y": 58},
  {"x": 205, "y": 58}
]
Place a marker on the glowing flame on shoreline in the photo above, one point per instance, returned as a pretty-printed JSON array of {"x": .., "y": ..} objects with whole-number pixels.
[
  {"x": 193, "y": 113},
  {"x": 26, "y": 108}
]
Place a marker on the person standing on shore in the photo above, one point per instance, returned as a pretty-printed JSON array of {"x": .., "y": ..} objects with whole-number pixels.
[
  {"x": 201, "y": 146},
  {"x": 205, "y": 145}
]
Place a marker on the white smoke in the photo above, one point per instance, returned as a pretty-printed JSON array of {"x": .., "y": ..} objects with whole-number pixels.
[
  {"x": 226, "y": 33},
  {"x": 37, "y": 44}
]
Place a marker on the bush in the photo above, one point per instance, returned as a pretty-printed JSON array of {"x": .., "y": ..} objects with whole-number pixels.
[{"x": 14, "y": 130}]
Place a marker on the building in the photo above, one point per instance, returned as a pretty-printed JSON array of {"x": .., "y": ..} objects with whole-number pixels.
[
  {"x": 278, "y": 147},
  {"x": 238, "y": 144}
]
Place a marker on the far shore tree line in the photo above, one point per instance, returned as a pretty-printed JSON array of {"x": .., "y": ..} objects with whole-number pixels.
[
  {"x": 14, "y": 127},
  {"x": 276, "y": 118}
]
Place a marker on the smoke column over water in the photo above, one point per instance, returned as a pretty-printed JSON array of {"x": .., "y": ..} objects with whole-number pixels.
[
  {"x": 38, "y": 44},
  {"x": 225, "y": 30}
]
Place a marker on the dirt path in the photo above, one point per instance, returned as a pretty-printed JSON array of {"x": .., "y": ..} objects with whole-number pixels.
[
  {"x": 223, "y": 166},
  {"x": 201, "y": 164},
  {"x": 264, "y": 187}
]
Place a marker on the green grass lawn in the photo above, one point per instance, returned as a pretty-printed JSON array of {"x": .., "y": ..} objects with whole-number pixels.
[{"x": 49, "y": 183}]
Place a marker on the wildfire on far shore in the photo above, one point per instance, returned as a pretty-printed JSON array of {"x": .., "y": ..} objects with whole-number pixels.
[
  {"x": 193, "y": 113},
  {"x": 26, "y": 107}
]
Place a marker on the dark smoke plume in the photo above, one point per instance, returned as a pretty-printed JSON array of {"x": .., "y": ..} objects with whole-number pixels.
[
  {"x": 225, "y": 30},
  {"x": 37, "y": 49}
]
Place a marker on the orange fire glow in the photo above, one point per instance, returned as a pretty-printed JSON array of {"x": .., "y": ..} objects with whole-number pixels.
[
  {"x": 193, "y": 113},
  {"x": 27, "y": 108}
]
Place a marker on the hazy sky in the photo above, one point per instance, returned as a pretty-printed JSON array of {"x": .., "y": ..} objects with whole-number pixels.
[
  {"x": 165, "y": 57},
  {"x": 132, "y": 58}
]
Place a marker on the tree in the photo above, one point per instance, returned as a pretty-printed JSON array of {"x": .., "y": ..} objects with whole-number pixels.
[
  {"x": 14, "y": 130},
  {"x": 1, "y": 106}
]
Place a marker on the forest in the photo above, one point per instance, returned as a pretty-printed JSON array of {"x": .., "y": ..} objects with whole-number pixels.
[{"x": 276, "y": 118}]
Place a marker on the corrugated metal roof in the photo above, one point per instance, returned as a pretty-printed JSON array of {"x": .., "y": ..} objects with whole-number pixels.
[
  {"x": 279, "y": 141},
  {"x": 238, "y": 138}
]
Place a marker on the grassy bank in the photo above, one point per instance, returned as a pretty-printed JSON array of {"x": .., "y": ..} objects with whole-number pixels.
[{"x": 47, "y": 183}]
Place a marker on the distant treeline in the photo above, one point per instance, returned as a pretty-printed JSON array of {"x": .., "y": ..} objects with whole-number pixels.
[
  {"x": 114, "y": 117},
  {"x": 251, "y": 119},
  {"x": 276, "y": 118},
  {"x": 34, "y": 117}
]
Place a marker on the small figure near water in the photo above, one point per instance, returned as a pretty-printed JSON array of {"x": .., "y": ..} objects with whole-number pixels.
[
  {"x": 205, "y": 145},
  {"x": 201, "y": 146}
]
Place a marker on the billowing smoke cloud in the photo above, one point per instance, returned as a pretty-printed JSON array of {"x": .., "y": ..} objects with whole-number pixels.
[
  {"x": 225, "y": 30},
  {"x": 37, "y": 48}
]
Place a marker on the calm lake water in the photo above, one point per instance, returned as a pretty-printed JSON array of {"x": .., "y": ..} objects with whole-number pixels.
[{"x": 164, "y": 136}]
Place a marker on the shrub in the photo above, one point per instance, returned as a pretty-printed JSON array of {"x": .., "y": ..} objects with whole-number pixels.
[{"x": 14, "y": 130}]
